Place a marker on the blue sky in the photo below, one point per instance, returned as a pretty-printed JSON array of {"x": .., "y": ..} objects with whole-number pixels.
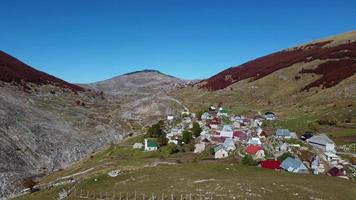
[{"x": 84, "y": 41}]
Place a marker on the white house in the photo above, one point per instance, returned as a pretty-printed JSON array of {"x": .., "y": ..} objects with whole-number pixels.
[
  {"x": 227, "y": 131},
  {"x": 150, "y": 145},
  {"x": 331, "y": 156},
  {"x": 322, "y": 142},
  {"x": 220, "y": 152},
  {"x": 170, "y": 118}
]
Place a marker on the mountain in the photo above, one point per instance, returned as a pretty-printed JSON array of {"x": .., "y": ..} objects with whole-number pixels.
[
  {"x": 334, "y": 59},
  {"x": 144, "y": 94},
  {"x": 305, "y": 84},
  {"x": 47, "y": 124},
  {"x": 15, "y": 71},
  {"x": 140, "y": 81}
]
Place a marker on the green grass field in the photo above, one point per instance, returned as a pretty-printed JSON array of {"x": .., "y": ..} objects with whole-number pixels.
[{"x": 189, "y": 174}]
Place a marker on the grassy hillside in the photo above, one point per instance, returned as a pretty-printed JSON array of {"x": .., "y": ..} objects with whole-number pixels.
[{"x": 188, "y": 174}]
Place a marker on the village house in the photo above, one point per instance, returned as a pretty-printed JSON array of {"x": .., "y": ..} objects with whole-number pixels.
[
  {"x": 316, "y": 165},
  {"x": 336, "y": 172},
  {"x": 229, "y": 144},
  {"x": 220, "y": 152},
  {"x": 212, "y": 108},
  {"x": 206, "y": 116},
  {"x": 150, "y": 145},
  {"x": 254, "y": 141},
  {"x": 252, "y": 149},
  {"x": 222, "y": 113},
  {"x": 227, "y": 131},
  {"x": 294, "y": 165},
  {"x": 270, "y": 116},
  {"x": 170, "y": 118},
  {"x": 306, "y": 136},
  {"x": 331, "y": 156},
  {"x": 270, "y": 164},
  {"x": 283, "y": 133},
  {"x": 322, "y": 142}
]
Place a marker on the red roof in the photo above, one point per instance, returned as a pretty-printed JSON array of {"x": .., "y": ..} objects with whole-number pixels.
[
  {"x": 252, "y": 149},
  {"x": 237, "y": 133},
  {"x": 270, "y": 164},
  {"x": 335, "y": 172}
]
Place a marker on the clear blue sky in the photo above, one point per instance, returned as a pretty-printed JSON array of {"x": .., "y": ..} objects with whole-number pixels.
[{"x": 91, "y": 40}]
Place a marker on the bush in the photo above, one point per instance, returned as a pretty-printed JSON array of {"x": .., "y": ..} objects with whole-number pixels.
[
  {"x": 331, "y": 121},
  {"x": 29, "y": 183},
  {"x": 171, "y": 148},
  {"x": 248, "y": 160}
]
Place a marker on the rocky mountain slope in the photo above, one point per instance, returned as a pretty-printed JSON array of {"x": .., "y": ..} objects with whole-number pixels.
[
  {"x": 144, "y": 93},
  {"x": 46, "y": 124}
]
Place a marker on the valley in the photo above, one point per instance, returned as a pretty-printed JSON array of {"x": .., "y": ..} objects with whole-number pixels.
[{"x": 59, "y": 137}]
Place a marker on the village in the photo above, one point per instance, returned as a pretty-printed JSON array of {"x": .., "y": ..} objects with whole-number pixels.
[{"x": 218, "y": 135}]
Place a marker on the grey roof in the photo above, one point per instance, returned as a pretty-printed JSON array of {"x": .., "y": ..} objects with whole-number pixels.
[
  {"x": 227, "y": 128},
  {"x": 217, "y": 148},
  {"x": 282, "y": 132},
  {"x": 293, "y": 164},
  {"x": 320, "y": 139},
  {"x": 228, "y": 142}
]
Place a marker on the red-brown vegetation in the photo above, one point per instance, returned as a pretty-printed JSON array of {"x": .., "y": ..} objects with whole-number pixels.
[
  {"x": 14, "y": 71},
  {"x": 340, "y": 65}
]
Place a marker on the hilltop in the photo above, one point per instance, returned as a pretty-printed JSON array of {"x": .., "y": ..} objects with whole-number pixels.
[
  {"x": 333, "y": 60},
  {"x": 15, "y": 71}
]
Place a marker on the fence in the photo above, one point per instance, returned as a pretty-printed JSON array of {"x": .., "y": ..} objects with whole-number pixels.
[{"x": 81, "y": 194}]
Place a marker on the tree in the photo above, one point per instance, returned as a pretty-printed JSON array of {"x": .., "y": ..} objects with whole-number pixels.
[
  {"x": 187, "y": 137},
  {"x": 196, "y": 130},
  {"x": 162, "y": 140},
  {"x": 156, "y": 130}
]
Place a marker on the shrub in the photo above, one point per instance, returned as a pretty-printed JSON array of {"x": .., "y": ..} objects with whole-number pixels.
[
  {"x": 248, "y": 160},
  {"x": 171, "y": 148},
  {"x": 29, "y": 183}
]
